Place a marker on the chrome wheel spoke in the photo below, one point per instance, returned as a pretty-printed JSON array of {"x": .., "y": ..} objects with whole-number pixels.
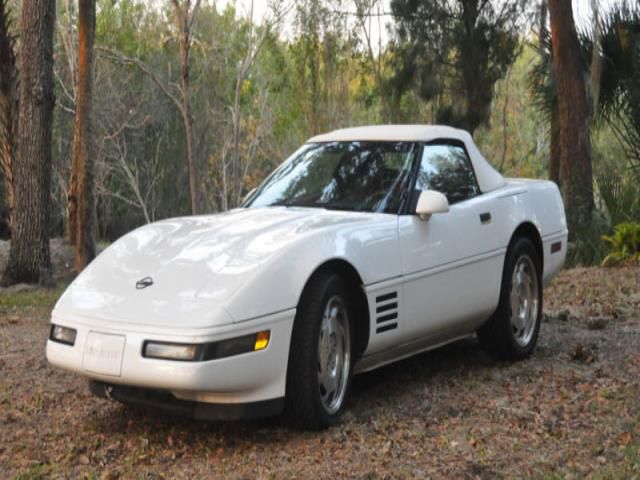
[
  {"x": 515, "y": 306},
  {"x": 332, "y": 325},
  {"x": 323, "y": 358},
  {"x": 524, "y": 300},
  {"x": 329, "y": 383},
  {"x": 334, "y": 355}
]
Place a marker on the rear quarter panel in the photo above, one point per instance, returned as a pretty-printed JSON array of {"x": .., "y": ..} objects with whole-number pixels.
[{"x": 538, "y": 202}]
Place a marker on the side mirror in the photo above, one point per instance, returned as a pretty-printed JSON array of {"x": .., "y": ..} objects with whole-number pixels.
[{"x": 431, "y": 202}]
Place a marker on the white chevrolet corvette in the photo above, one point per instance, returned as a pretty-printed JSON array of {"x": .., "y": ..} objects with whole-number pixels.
[{"x": 366, "y": 246}]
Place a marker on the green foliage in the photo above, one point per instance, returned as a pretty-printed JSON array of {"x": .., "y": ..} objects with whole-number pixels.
[
  {"x": 589, "y": 246},
  {"x": 619, "y": 97},
  {"x": 321, "y": 56},
  {"x": 515, "y": 140},
  {"x": 541, "y": 75},
  {"x": 620, "y": 85},
  {"x": 619, "y": 93},
  {"x": 624, "y": 243},
  {"x": 453, "y": 53},
  {"x": 34, "y": 472},
  {"x": 619, "y": 193},
  {"x": 620, "y": 30},
  {"x": 317, "y": 77},
  {"x": 541, "y": 82},
  {"x": 38, "y": 297}
]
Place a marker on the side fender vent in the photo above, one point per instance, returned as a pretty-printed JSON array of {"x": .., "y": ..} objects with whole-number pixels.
[{"x": 386, "y": 312}]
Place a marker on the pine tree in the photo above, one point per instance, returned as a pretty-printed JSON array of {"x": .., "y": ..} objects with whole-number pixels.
[
  {"x": 453, "y": 53},
  {"x": 29, "y": 259}
]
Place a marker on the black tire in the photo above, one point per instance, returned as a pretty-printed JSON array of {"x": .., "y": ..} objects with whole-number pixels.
[
  {"x": 499, "y": 336},
  {"x": 304, "y": 400}
]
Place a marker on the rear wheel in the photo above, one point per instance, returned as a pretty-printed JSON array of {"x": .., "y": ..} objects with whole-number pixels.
[
  {"x": 320, "y": 357},
  {"x": 512, "y": 332}
]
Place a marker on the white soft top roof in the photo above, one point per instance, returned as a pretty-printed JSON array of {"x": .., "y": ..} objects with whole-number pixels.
[{"x": 488, "y": 178}]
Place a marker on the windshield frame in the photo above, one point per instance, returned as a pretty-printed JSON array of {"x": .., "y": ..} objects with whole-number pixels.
[{"x": 414, "y": 150}]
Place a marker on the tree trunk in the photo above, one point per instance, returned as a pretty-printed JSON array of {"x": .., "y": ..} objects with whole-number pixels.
[
  {"x": 8, "y": 105},
  {"x": 596, "y": 59},
  {"x": 573, "y": 117},
  {"x": 184, "y": 17},
  {"x": 83, "y": 146},
  {"x": 554, "y": 133},
  {"x": 505, "y": 121},
  {"x": 554, "y": 146},
  {"x": 188, "y": 125},
  {"x": 364, "y": 14},
  {"x": 71, "y": 49},
  {"x": 29, "y": 259},
  {"x": 72, "y": 201}
]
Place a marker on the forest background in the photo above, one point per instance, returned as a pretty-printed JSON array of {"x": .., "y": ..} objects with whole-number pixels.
[{"x": 193, "y": 103}]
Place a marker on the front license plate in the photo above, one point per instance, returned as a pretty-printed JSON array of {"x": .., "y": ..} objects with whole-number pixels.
[{"x": 103, "y": 353}]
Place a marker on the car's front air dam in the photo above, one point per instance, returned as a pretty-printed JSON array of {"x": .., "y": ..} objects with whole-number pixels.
[
  {"x": 244, "y": 378},
  {"x": 165, "y": 402}
]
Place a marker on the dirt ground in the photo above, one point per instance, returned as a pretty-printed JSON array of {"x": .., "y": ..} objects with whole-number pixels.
[{"x": 571, "y": 411}]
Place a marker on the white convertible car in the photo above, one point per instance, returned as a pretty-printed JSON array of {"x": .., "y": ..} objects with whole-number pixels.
[{"x": 366, "y": 246}]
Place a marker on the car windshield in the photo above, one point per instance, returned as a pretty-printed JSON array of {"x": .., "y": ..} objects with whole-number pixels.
[{"x": 356, "y": 176}]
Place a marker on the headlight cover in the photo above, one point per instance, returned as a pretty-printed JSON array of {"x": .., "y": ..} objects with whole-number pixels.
[
  {"x": 170, "y": 351},
  {"x": 64, "y": 335},
  {"x": 201, "y": 352}
]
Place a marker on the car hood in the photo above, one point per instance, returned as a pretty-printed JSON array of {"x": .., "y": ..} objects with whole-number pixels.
[{"x": 191, "y": 265}]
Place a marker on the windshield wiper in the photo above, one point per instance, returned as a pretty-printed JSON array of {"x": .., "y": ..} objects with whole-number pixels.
[
  {"x": 302, "y": 201},
  {"x": 335, "y": 206},
  {"x": 283, "y": 203}
]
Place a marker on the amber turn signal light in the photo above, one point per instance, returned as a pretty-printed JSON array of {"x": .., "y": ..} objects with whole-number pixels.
[{"x": 262, "y": 340}]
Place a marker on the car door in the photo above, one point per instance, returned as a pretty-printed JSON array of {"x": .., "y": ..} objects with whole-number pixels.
[{"x": 452, "y": 262}]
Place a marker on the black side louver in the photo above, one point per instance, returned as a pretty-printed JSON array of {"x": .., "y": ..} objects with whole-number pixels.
[{"x": 386, "y": 312}]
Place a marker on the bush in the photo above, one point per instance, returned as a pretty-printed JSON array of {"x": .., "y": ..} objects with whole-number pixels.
[
  {"x": 589, "y": 246},
  {"x": 625, "y": 244},
  {"x": 620, "y": 196}
]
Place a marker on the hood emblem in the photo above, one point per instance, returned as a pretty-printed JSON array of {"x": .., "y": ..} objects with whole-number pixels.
[{"x": 144, "y": 283}]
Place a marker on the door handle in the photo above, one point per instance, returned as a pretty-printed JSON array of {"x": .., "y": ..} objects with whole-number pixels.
[{"x": 485, "y": 218}]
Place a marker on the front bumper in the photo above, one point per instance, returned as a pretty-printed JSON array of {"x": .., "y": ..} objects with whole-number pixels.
[{"x": 241, "y": 379}]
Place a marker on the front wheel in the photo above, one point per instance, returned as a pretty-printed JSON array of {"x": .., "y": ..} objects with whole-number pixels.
[
  {"x": 320, "y": 358},
  {"x": 512, "y": 332}
]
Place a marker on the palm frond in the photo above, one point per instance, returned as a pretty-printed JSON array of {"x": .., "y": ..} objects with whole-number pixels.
[{"x": 619, "y": 195}]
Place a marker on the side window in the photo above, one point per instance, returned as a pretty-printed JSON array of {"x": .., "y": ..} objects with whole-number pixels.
[{"x": 447, "y": 169}]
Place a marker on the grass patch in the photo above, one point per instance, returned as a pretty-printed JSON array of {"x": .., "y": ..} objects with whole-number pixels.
[
  {"x": 35, "y": 472},
  {"x": 39, "y": 297}
]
